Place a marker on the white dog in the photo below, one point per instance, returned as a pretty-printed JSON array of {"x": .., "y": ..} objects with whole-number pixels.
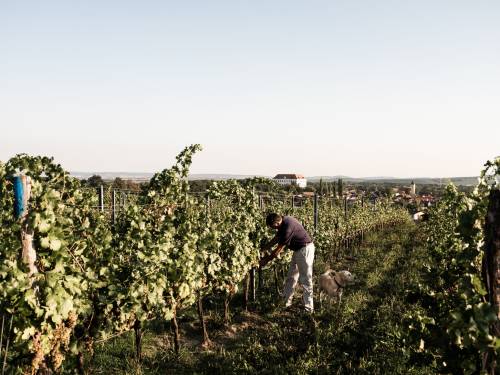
[{"x": 333, "y": 283}]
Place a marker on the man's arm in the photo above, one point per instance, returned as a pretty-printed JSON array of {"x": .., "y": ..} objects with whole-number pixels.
[
  {"x": 270, "y": 244},
  {"x": 271, "y": 256}
]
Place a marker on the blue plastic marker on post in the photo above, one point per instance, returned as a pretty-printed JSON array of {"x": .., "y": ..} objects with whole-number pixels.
[{"x": 18, "y": 196}]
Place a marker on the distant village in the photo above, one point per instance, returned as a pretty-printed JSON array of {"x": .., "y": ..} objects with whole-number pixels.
[{"x": 406, "y": 196}]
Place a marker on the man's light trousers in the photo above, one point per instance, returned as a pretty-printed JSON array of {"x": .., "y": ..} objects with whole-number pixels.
[{"x": 301, "y": 270}]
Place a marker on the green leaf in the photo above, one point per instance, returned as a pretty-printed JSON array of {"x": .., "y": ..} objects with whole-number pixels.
[{"x": 55, "y": 244}]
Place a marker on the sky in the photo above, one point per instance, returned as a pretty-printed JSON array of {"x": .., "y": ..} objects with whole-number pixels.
[{"x": 360, "y": 88}]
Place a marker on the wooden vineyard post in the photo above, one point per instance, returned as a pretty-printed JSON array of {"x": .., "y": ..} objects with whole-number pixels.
[
  {"x": 113, "y": 202},
  {"x": 1, "y": 336},
  {"x": 101, "y": 198},
  {"x": 22, "y": 194},
  {"x": 138, "y": 339},
  {"x": 246, "y": 290},
  {"x": 491, "y": 270},
  {"x": 345, "y": 249},
  {"x": 346, "y": 237},
  {"x": 252, "y": 284},
  {"x": 260, "y": 281},
  {"x": 316, "y": 216},
  {"x": 338, "y": 252},
  {"x": 6, "y": 350},
  {"x": 293, "y": 202},
  {"x": 80, "y": 363},
  {"x": 362, "y": 234}
]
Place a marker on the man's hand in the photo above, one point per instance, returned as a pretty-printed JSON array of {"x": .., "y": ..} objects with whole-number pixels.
[{"x": 263, "y": 261}]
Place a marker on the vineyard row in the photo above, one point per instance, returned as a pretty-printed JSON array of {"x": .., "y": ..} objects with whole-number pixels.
[{"x": 70, "y": 276}]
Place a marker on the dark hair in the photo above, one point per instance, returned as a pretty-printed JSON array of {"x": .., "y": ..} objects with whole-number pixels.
[{"x": 273, "y": 218}]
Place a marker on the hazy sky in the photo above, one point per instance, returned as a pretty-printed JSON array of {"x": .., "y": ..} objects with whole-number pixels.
[{"x": 361, "y": 88}]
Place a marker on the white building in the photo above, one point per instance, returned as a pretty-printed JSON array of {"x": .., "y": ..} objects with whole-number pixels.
[{"x": 291, "y": 179}]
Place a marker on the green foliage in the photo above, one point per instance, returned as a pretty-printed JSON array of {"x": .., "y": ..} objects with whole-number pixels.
[
  {"x": 231, "y": 221},
  {"x": 97, "y": 277},
  {"x": 68, "y": 236},
  {"x": 455, "y": 323},
  {"x": 365, "y": 334},
  {"x": 94, "y": 181},
  {"x": 155, "y": 266}
]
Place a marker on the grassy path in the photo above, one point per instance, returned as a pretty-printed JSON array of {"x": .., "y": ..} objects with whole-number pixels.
[{"x": 364, "y": 334}]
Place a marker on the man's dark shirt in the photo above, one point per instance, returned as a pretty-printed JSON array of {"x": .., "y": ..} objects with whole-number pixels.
[{"x": 292, "y": 234}]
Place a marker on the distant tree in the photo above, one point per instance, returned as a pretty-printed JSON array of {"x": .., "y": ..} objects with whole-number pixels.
[
  {"x": 292, "y": 188},
  {"x": 119, "y": 183},
  {"x": 321, "y": 187},
  {"x": 424, "y": 190},
  {"x": 95, "y": 181},
  {"x": 132, "y": 185},
  {"x": 199, "y": 185}
]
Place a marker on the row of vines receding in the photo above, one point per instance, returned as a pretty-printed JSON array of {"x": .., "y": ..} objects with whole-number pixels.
[
  {"x": 458, "y": 323},
  {"x": 91, "y": 278}
]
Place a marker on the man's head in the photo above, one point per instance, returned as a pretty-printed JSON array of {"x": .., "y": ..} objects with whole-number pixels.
[{"x": 274, "y": 220}]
